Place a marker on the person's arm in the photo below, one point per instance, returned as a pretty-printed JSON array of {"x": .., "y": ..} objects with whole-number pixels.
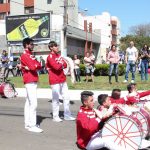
[
  {"x": 56, "y": 65},
  {"x": 136, "y": 55},
  {"x": 143, "y": 94},
  {"x": 30, "y": 63}
]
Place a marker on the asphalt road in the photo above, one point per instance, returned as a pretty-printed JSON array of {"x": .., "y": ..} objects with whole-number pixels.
[{"x": 56, "y": 136}]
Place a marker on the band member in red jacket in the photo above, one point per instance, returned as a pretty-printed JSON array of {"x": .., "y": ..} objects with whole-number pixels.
[
  {"x": 133, "y": 95},
  {"x": 116, "y": 97},
  {"x": 87, "y": 124},
  {"x": 29, "y": 66},
  {"x": 57, "y": 79}
]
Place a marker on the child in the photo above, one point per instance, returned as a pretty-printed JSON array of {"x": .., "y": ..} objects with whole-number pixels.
[{"x": 87, "y": 124}]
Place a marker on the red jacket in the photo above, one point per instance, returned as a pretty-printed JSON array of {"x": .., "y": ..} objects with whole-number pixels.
[
  {"x": 87, "y": 124},
  {"x": 117, "y": 101},
  {"x": 55, "y": 65},
  {"x": 136, "y": 98},
  {"x": 27, "y": 59}
]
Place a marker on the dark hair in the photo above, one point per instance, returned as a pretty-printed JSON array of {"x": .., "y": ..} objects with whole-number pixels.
[
  {"x": 85, "y": 95},
  {"x": 116, "y": 93},
  {"x": 130, "y": 86},
  {"x": 102, "y": 98},
  {"x": 26, "y": 41},
  {"x": 51, "y": 44},
  {"x": 113, "y": 46}
]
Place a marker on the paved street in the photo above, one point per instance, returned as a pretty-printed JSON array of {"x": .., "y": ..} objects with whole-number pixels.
[{"x": 56, "y": 136}]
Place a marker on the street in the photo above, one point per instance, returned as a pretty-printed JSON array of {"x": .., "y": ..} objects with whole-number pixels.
[{"x": 56, "y": 136}]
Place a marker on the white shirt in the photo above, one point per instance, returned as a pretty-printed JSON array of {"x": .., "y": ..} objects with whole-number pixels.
[{"x": 131, "y": 53}]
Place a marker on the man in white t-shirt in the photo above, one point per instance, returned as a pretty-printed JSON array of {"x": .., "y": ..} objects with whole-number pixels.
[{"x": 130, "y": 59}]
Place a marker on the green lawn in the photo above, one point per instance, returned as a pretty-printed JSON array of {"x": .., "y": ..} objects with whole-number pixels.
[{"x": 101, "y": 83}]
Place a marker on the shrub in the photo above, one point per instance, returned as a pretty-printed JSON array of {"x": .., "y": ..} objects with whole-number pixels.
[{"x": 103, "y": 69}]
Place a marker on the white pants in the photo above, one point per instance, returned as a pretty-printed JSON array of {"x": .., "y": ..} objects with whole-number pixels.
[
  {"x": 98, "y": 142},
  {"x": 62, "y": 91},
  {"x": 30, "y": 104}
]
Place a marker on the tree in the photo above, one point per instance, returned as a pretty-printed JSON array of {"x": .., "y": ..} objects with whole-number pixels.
[
  {"x": 139, "y": 41},
  {"x": 141, "y": 30}
]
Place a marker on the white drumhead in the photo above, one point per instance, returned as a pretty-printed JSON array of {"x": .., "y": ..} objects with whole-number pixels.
[
  {"x": 123, "y": 131},
  {"x": 8, "y": 90}
]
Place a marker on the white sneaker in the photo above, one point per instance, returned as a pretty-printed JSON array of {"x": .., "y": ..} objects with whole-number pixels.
[
  {"x": 125, "y": 81},
  {"x": 69, "y": 118},
  {"x": 57, "y": 119},
  {"x": 132, "y": 81},
  {"x": 35, "y": 129}
]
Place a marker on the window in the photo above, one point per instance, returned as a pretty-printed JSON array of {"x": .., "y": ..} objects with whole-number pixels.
[
  {"x": 29, "y": 10},
  {"x": 49, "y": 1},
  {"x": 2, "y": 16}
]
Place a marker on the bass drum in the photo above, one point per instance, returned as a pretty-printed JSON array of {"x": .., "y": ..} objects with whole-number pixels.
[
  {"x": 7, "y": 90},
  {"x": 123, "y": 130}
]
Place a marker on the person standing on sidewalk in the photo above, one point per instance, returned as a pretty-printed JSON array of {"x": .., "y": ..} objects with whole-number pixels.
[
  {"x": 29, "y": 66},
  {"x": 130, "y": 59},
  {"x": 57, "y": 79},
  {"x": 113, "y": 58}
]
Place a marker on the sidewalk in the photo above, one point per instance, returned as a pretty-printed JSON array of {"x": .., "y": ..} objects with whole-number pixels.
[{"x": 74, "y": 94}]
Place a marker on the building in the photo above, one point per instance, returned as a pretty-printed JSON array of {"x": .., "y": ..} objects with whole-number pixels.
[
  {"x": 81, "y": 33},
  {"x": 107, "y": 27}
]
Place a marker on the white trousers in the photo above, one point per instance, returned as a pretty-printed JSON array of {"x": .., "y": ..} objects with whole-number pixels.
[
  {"x": 30, "y": 104},
  {"x": 60, "y": 90},
  {"x": 98, "y": 142}
]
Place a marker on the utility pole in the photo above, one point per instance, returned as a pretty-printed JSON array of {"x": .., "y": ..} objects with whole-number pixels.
[{"x": 65, "y": 26}]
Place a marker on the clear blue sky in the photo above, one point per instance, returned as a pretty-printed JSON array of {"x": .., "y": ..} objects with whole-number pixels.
[{"x": 129, "y": 12}]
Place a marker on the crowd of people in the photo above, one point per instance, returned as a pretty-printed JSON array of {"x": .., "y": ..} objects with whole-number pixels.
[{"x": 90, "y": 121}]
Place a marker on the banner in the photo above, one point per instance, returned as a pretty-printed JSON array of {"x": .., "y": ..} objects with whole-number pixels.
[{"x": 36, "y": 26}]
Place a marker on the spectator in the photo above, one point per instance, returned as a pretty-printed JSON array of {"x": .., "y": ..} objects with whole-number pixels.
[
  {"x": 89, "y": 66},
  {"x": 42, "y": 61},
  {"x": 10, "y": 66},
  {"x": 4, "y": 61},
  {"x": 57, "y": 79},
  {"x": 144, "y": 56},
  {"x": 130, "y": 59},
  {"x": 77, "y": 68},
  {"x": 113, "y": 58},
  {"x": 18, "y": 68}
]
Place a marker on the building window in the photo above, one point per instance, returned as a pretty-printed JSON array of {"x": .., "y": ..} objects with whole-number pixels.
[
  {"x": 2, "y": 16},
  {"x": 49, "y": 1},
  {"x": 29, "y": 10},
  {"x": 1, "y": 1}
]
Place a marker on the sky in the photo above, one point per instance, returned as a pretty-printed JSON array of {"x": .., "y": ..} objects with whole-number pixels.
[{"x": 129, "y": 12}]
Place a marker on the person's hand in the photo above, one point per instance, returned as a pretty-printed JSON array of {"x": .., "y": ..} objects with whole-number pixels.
[
  {"x": 98, "y": 113},
  {"x": 26, "y": 68}
]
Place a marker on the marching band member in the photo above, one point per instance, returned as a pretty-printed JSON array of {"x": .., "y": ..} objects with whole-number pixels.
[
  {"x": 116, "y": 97},
  {"x": 134, "y": 96},
  {"x": 57, "y": 79},
  {"x": 29, "y": 66},
  {"x": 87, "y": 124}
]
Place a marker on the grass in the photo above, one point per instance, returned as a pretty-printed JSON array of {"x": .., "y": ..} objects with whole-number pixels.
[{"x": 101, "y": 83}]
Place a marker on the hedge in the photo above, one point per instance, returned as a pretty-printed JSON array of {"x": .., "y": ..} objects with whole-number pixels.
[{"x": 103, "y": 69}]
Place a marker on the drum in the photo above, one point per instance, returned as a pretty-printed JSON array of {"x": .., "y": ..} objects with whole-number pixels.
[
  {"x": 123, "y": 130},
  {"x": 7, "y": 90},
  {"x": 143, "y": 117}
]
